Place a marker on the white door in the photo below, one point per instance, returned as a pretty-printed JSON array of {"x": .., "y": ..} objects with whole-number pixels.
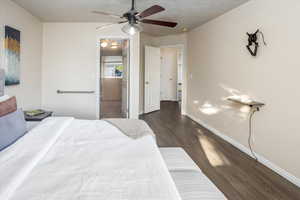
[
  {"x": 169, "y": 68},
  {"x": 152, "y": 79}
]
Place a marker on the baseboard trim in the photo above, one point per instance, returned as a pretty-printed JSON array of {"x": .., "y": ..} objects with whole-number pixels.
[{"x": 293, "y": 179}]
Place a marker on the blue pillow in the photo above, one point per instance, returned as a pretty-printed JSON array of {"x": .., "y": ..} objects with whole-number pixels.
[{"x": 12, "y": 127}]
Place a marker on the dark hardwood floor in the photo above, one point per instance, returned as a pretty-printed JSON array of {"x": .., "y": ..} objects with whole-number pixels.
[
  {"x": 236, "y": 174},
  {"x": 111, "y": 109}
]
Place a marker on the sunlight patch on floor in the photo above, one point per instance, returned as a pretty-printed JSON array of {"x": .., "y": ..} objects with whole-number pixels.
[{"x": 215, "y": 159}]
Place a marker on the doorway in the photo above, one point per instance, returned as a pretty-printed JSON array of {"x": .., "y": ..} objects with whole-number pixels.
[
  {"x": 114, "y": 78},
  {"x": 171, "y": 74},
  {"x": 163, "y": 76}
]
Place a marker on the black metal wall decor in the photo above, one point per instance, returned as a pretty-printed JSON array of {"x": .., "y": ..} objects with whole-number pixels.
[{"x": 253, "y": 42}]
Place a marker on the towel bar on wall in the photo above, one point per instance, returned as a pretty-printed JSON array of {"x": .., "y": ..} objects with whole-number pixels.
[{"x": 74, "y": 92}]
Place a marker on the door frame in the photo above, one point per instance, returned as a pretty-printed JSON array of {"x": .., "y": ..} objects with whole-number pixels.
[
  {"x": 162, "y": 74},
  {"x": 183, "y": 74},
  {"x": 98, "y": 71},
  {"x": 145, "y": 81}
]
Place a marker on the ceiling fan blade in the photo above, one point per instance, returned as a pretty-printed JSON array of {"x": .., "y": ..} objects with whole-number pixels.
[
  {"x": 108, "y": 25},
  {"x": 108, "y": 14},
  {"x": 160, "y": 23},
  {"x": 151, "y": 11}
]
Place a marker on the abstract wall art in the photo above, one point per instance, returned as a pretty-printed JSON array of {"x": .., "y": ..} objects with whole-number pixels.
[{"x": 12, "y": 56}]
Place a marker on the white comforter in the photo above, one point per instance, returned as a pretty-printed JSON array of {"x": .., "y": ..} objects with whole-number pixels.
[{"x": 68, "y": 159}]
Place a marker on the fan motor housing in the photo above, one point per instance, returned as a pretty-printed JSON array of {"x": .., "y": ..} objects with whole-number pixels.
[{"x": 131, "y": 16}]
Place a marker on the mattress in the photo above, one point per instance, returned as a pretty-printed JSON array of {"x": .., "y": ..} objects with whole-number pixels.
[{"x": 65, "y": 158}]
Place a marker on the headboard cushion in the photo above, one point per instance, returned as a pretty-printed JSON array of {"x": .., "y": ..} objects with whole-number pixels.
[
  {"x": 2, "y": 82},
  {"x": 8, "y": 106}
]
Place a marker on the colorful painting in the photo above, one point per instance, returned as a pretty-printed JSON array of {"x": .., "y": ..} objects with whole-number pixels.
[{"x": 12, "y": 56}]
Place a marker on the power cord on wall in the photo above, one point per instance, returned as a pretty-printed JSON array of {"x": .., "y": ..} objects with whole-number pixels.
[{"x": 253, "y": 110}]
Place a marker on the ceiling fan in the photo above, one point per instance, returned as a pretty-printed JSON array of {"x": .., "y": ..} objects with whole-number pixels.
[{"x": 133, "y": 18}]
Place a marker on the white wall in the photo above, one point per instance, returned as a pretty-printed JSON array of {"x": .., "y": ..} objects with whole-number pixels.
[
  {"x": 219, "y": 66},
  {"x": 170, "y": 40},
  {"x": 28, "y": 93},
  {"x": 71, "y": 57}
]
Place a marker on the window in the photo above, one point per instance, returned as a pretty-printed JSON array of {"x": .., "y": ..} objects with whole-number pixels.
[{"x": 113, "y": 70}]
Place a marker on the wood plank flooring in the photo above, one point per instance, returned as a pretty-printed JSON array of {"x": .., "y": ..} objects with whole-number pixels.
[
  {"x": 111, "y": 109},
  {"x": 235, "y": 173}
]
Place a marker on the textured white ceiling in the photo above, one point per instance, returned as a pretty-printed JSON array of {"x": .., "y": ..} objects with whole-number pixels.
[{"x": 188, "y": 13}]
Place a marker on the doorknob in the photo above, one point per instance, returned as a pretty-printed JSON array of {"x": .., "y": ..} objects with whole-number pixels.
[{"x": 147, "y": 83}]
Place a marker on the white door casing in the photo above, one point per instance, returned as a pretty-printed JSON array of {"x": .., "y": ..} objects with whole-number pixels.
[
  {"x": 152, "y": 79},
  {"x": 125, "y": 79},
  {"x": 179, "y": 74}
]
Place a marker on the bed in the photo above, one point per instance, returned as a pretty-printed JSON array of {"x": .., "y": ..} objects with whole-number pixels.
[
  {"x": 66, "y": 158},
  {"x": 63, "y": 158}
]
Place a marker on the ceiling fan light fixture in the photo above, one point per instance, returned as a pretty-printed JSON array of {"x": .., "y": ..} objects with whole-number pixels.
[
  {"x": 132, "y": 29},
  {"x": 133, "y": 18}
]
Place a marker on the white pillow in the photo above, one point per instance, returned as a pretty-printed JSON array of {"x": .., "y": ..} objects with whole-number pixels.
[{"x": 4, "y": 98}]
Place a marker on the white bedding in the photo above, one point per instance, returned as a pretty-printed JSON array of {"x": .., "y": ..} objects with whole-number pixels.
[{"x": 68, "y": 159}]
